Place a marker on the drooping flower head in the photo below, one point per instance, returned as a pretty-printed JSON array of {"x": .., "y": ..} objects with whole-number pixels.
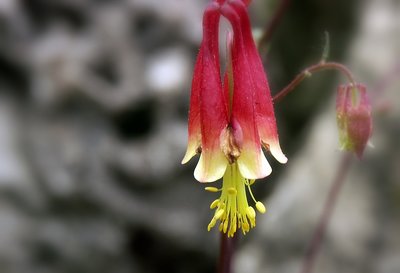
[
  {"x": 231, "y": 120},
  {"x": 353, "y": 114}
]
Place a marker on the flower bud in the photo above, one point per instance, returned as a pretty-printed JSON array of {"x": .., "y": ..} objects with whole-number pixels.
[{"x": 353, "y": 113}]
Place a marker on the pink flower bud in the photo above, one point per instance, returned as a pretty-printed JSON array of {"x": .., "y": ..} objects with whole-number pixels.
[{"x": 353, "y": 110}]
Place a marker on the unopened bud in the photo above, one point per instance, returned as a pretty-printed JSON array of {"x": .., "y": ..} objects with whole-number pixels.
[
  {"x": 260, "y": 207},
  {"x": 353, "y": 113}
]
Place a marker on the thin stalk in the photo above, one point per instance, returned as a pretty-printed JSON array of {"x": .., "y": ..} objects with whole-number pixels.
[
  {"x": 308, "y": 72},
  {"x": 273, "y": 24},
  {"x": 226, "y": 253},
  {"x": 320, "y": 229}
]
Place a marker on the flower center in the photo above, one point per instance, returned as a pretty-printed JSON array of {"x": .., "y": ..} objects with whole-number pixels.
[{"x": 232, "y": 208}]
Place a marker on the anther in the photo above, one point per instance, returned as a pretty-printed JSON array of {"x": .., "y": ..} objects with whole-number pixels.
[
  {"x": 211, "y": 224},
  {"x": 212, "y": 189},
  {"x": 245, "y": 227},
  {"x": 251, "y": 212},
  {"x": 214, "y": 204},
  {"x": 260, "y": 207},
  {"x": 219, "y": 213},
  {"x": 225, "y": 226},
  {"x": 232, "y": 191}
]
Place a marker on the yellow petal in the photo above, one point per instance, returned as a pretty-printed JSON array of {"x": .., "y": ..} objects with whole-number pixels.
[
  {"x": 253, "y": 165},
  {"x": 276, "y": 152},
  {"x": 211, "y": 166},
  {"x": 191, "y": 150}
]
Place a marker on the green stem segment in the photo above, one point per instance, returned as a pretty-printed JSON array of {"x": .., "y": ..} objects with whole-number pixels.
[
  {"x": 308, "y": 72},
  {"x": 272, "y": 25},
  {"x": 320, "y": 230}
]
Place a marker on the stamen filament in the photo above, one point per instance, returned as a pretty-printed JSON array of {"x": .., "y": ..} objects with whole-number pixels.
[
  {"x": 251, "y": 194},
  {"x": 232, "y": 208}
]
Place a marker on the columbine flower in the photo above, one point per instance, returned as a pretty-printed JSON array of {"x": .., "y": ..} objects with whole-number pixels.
[
  {"x": 353, "y": 110},
  {"x": 230, "y": 122}
]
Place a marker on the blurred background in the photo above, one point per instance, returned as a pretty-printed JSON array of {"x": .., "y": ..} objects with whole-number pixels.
[{"x": 93, "y": 125}]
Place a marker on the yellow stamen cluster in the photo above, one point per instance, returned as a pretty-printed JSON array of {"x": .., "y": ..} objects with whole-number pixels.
[{"x": 232, "y": 209}]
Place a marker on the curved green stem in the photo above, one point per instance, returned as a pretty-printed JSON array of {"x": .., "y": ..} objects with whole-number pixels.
[{"x": 308, "y": 72}]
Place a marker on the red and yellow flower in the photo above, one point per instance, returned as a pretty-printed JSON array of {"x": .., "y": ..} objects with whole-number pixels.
[{"x": 231, "y": 120}]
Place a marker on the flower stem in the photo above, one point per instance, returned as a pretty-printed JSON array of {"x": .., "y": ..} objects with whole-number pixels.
[
  {"x": 323, "y": 222},
  {"x": 226, "y": 252},
  {"x": 308, "y": 72},
  {"x": 273, "y": 24}
]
